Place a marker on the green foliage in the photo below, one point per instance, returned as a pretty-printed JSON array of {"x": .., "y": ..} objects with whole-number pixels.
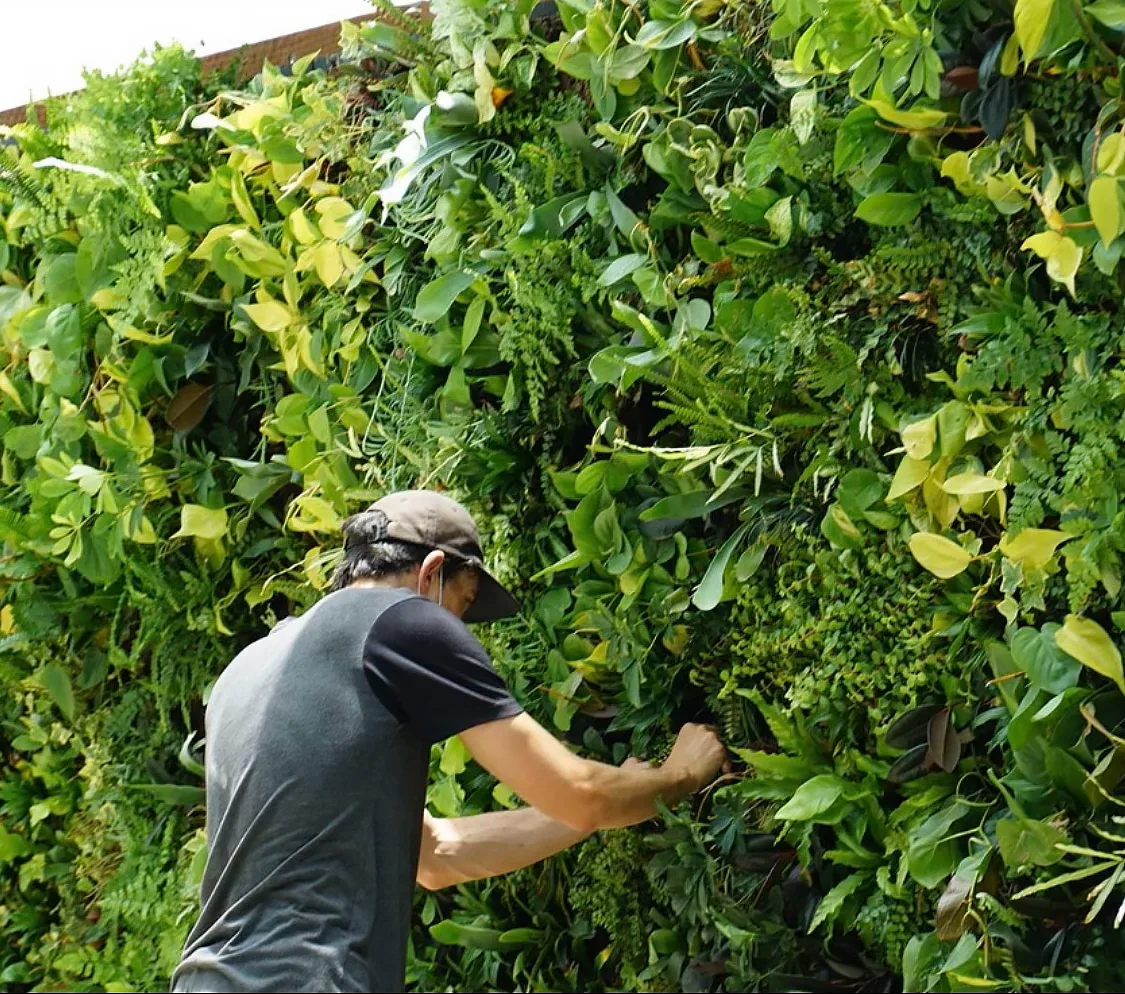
[{"x": 735, "y": 326}]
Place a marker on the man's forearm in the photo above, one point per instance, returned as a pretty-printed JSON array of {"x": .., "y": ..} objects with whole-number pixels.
[
  {"x": 456, "y": 850},
  {"x": 623, "y": 796}
]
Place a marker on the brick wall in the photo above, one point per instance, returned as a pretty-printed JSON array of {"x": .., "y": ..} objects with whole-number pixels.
[{"x": 279, "y": 51}]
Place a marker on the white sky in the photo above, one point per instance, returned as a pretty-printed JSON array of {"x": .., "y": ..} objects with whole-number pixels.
[{"x": 49, "y": 42}]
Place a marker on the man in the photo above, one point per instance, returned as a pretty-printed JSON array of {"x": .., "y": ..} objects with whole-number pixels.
[{"x": 318, "y": 744}]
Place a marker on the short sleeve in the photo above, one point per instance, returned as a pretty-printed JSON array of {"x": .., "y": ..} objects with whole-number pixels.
[{"x": 431, "y": 673}]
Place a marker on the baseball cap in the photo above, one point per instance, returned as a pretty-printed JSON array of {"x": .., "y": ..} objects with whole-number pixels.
[{"x": 430, "y": 519}]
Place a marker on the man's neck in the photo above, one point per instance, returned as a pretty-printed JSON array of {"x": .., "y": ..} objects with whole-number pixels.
[{"x": 389, "y": 582}]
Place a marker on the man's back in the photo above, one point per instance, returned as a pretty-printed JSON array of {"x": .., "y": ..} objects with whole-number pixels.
[{"x": 315, "y": 795}]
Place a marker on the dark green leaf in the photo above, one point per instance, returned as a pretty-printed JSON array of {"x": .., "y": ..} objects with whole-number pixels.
[
  {"x": 912, "y": 728},
  {"x": 910, "y": 765},
  {"x": 173, "y": 793},
  {"x": 943, "y": 744},
  {"x": 55, "y": 680}
]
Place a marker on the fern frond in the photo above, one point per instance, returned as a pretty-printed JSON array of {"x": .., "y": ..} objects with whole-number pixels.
[
  {"x": 832, "y": 368},
  {"x": 19, "y": 186}
]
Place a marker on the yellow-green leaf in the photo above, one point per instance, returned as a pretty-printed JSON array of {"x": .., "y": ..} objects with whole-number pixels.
[
  {"x": 1063, "y": 264},
  {"x": 241, "y": 197},
  {"x": 302, "y": 227},
  {"x": 202, "y": 522},
  {"x": 270, "y": 316},
  {"x": 939, "y": 555},
  {"x": 1033, "y": 548},
  {"x": 911, "y": 473},
  {"x": 329, "y": 264},
  {"x": 1105, "y": 208},
  {"x": 1032, "y": 18},
  {"x": 1010, "y": 57},
  {"x": 915, "y": 119},
  {"x": 260, "y": 258},
  {"x": 334, "y": 213},
  {"x": 204, "y": 249},
  {"x": 144, "y": 533},
  {"x": 1111, "y": 153},
  {"x": 1062, "y": 254},
  {"x": 918, "y": 438},
  {"x": 972, "y": 483},
  {"x": 1091, "y": 645}
]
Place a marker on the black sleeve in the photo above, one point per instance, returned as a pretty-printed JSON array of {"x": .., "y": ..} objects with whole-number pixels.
[{"x": 431, "y": 673}]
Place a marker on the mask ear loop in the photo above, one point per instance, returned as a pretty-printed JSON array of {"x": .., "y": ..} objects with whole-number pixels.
[{"x": 440, "y": 587}]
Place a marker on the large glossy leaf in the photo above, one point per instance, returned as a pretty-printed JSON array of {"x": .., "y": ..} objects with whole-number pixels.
[
  {"x": 889, "y": 209},
  {"x": 436, "y": 298}
]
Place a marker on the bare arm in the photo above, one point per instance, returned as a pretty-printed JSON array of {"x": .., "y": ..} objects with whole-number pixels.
[
  {"x": 582, "y": 794},
  {"x": 456, "y": 850}
]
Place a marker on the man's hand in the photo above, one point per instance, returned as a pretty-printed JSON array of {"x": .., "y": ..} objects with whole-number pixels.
[{"x": 698, "y": 755}]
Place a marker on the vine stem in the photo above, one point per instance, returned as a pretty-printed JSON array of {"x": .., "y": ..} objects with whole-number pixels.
[{"x": 1091, "y": 33}]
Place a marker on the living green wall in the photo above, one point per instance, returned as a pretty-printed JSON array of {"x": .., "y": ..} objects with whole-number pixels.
[{"x": 777, "y": 349}]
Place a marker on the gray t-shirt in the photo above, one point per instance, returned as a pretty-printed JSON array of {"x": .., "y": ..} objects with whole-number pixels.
[{"x": 318, "y": 741}]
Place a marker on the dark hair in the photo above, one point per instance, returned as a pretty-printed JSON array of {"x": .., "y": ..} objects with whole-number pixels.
[{"x": 370, "y": 554}]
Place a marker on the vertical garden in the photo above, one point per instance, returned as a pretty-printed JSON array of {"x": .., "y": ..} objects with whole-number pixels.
[{"x": 777, "y": 347}]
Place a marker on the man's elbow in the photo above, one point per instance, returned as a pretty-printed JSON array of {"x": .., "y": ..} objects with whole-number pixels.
[
  {"x": 585, "y": 810},
  {"x": 435, "y": 878}
]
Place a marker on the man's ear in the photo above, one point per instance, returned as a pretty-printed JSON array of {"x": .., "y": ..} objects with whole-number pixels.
[{"x": 429, "y": 571}]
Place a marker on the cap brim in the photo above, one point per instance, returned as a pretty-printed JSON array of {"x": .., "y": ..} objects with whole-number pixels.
[{"x": 492, "y": 601}]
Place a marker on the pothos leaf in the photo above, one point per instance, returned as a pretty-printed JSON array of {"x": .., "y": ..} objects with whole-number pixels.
[
  {"x": 940, "y": 555},
  {"x": 1090, "y": 644}
]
